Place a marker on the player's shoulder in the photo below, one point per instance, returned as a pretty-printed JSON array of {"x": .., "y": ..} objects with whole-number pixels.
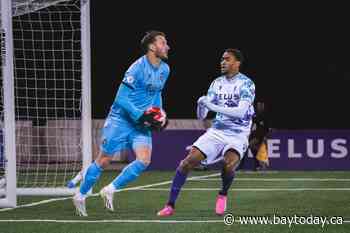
[
  {"x": 136, "y": 64},
  {"x": 218, "y": 80},
  {"x": 215, "y": 82},
  {"x": 245, "y": 80}
]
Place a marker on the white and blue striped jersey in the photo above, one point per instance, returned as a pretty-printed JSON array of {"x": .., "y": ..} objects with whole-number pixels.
[{"x": 227, "y": 93}]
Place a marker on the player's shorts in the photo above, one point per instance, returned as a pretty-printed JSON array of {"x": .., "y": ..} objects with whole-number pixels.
[
  {"x": 119, "y": 136},
  {"x": 214, "y": 144}
]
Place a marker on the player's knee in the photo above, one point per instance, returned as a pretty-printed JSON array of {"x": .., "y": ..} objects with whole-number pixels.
[
  {"x": 146, "y": 161},
  {"x": 103, "y": 160},
  {"x": 185, "y": 166},
  {"x": 230, "y": 163}
]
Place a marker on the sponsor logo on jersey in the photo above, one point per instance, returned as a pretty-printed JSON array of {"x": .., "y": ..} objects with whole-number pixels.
[{"x": 130, "y": 79}]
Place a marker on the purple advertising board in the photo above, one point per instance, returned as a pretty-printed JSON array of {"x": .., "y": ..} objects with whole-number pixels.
[
  {"x": 288, "y": 149},
  {"x": 309, "y": 150}
]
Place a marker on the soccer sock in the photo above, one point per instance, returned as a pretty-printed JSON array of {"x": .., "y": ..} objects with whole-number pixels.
[
  {"x": 92, "y": 175},
  {"x": 227, "y": 178},
  {"x": 129, "y": 173},
  {"x": 178, "y": 182}
]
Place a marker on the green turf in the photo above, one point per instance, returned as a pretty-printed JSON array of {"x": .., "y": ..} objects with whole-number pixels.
[{"x": 195, "y": 205}]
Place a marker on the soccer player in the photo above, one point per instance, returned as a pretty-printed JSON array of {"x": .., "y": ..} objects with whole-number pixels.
[
  {"x": 231, "y": 96},
  {"x": 135, "y": 112}
]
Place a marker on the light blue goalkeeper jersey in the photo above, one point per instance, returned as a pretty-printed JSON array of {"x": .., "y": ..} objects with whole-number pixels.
[
  {"x": 141, "y": 88},
  {"x": 228, "y": 93}
]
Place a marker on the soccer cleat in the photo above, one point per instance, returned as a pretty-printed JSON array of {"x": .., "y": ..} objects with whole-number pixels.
[
  {"x": 107, "y": 197},
  {"x": 80, "y": 207},
  {"x": 220, "y": 204},
  {"x": 166, "y": 211}
]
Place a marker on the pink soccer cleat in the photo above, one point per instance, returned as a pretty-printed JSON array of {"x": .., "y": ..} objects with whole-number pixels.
[
  {"x": 220, "y": 204},
  {"x": 166, "y": 211}
]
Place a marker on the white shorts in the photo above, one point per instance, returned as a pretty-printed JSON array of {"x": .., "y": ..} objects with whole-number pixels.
[{"x": 215, "y": 143}]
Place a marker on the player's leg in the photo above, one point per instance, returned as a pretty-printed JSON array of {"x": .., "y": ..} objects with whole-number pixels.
[
  {"x": 142, "y": 147},
  {"x": 233, "y": 153},
  {"x": 92, "y": 174},
  {"x": 113, "y": 138},
  {"x": 82, "y": 173},
  {"x": 192, "y": 160},
  {"x": 207, "y": 147},
  {"x": 231, "y": 162}
]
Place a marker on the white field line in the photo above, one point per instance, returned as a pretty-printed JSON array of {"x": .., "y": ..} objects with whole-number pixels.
[
  {"x": 118, "y": 221},
  {"x": 275, "y": 179},
  {"x": 112, "y": 221},
  {"x": 250, "y": 189},
  {"x": 96, "y": 194}
]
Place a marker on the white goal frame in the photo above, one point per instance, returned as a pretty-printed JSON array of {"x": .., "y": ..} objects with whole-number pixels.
[{"x": 10, "y": 190}]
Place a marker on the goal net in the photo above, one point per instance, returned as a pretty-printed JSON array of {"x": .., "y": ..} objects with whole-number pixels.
[{"x": 48, "y": 57}]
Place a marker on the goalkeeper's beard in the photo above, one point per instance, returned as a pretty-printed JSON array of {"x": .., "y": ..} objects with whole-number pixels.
[{"x": 162, "y": 54}]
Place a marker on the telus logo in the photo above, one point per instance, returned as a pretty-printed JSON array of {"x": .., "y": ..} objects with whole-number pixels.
[{"x": 313, "y": 148}]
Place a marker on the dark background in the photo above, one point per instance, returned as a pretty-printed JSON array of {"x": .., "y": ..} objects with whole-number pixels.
[{"x": 297, "y": 55}]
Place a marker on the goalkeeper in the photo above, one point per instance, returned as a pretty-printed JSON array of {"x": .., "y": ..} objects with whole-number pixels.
[{"x": 136, "y": 111}]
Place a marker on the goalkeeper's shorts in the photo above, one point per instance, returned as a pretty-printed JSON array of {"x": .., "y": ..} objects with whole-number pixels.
[
  {"x": 120, "y": 136},
  {"x": 214, "y": 144}
]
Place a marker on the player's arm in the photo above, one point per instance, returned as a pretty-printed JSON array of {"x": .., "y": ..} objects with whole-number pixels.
[
  {"x": 247, "y": 95},
  {"x": 237, "y": 112},
  {"x": 126, "y": 88},
  {"x": 157, "y": 102},
  {"x": 123, "y": 101},
  {"x": 202, "y": 110}
]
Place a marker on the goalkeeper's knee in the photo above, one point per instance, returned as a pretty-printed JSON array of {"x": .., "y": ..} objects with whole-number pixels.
[{"x": 145, "y": 161}]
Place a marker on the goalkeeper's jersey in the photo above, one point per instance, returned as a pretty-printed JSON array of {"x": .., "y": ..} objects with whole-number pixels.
[
  {"x": 144, "y": 83},
  {"x": 228, "y": 93}
]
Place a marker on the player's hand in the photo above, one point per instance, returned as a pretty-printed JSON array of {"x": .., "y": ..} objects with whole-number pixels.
[
  {"x": 154, "y": 118},
  {"x": 202, "y": 100}
]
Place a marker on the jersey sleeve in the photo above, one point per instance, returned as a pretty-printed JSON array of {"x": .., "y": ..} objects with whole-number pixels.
[
  {"x": 211, "y": 94},
  {"x": 127, "y": 86},
  {"x": 247, "y": 92},
  {"x": 157, "y": 102},
  {"x": 132, "y": 75}
]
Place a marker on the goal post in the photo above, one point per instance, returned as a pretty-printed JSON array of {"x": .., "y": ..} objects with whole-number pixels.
[
  {"x": 50, "y": 134},
  {"x": 8, "y": 109},
  {"x": 86, "y": 82}
]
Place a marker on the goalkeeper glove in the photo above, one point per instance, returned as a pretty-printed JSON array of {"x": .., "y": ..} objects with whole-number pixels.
[{"x": 154, "y": 118}]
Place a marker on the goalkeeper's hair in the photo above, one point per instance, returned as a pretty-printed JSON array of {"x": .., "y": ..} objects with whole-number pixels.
[
  {"x": 149, "y": 38},
  {"x": 237, "y": 54}
]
